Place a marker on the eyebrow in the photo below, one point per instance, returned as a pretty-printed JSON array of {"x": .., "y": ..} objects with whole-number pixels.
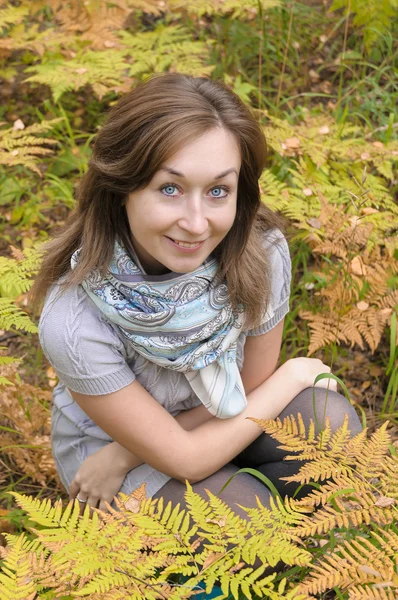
[{"x": 178, "y": 174}]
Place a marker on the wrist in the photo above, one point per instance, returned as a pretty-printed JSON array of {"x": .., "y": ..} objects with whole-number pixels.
[
  {"x": 293, "y": 372},
  {"x": 124, "y": 460}
]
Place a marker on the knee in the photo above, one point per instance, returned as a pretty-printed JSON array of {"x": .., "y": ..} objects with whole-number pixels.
[{"x": 322, "y": 403}]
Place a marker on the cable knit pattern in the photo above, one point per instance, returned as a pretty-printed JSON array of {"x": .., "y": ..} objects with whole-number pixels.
[{"x": 90, "y": 356}]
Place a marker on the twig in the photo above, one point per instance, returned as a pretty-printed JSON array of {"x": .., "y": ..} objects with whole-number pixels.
[
  {"x": 285, "y": 55},
  {"x": 382, "y": 128},
  {"x": 7, "y": 336}
]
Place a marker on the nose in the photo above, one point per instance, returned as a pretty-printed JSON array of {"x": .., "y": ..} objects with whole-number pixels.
[{"x": 193, "y": 219}]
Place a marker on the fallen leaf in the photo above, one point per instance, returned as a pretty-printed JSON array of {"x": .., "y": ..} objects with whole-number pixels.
[
  {"x": 292, "y": 143},
  {"x": 314, "y": 76},
  {"x": 52, "y": 377},
  {"x": 384, "y": 501},
  {"x": 357, "y": 266},
  {"x": 366, "y": 385},
  {"x": 220, "y": 522},
  {"x": 375, "y": 371},
  {"x": 369, "y": 570},
  {"x": 212, "y": 558},
  {"x": 236, "y": 568},
  {"x": 354, "y": 220},
  {"x": 133, "y": 505},
  {"x": 314, "y": 222},
  {"x": 368, "y": 210},
  {"x": 362, "y": 305},
  {"x": 18, "y": 125}
]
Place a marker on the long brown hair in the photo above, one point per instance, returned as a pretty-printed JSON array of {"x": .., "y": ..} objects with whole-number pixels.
[{"x": 143, "y": 129}]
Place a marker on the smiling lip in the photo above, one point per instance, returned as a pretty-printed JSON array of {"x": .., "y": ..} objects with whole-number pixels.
[{"x": 186, "y": 248}]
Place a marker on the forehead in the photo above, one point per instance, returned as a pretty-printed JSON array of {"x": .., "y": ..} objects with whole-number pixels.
[{"x": 216, "y": 150}]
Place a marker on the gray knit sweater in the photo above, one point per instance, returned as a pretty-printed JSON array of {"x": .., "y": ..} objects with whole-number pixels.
[{"x": 91, "y": 356}]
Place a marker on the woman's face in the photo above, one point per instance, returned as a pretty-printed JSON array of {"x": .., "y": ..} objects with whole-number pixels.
[{"x": 189, "y": 206}]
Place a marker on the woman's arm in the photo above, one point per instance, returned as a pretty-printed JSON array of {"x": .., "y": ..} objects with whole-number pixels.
[
  {"x": 261, "y": 353},
  {"x": 188, "y": 419},
  {"x": 147, "y": 430}
]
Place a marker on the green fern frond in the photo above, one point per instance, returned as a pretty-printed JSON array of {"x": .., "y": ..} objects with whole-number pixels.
[
  {"x": 24, "y": 147},
  {"x": 101, "y": 69},
  {"x": 375, "y": 17},
  {"x": 164, "y": 47},
  {"x": 31, "y": 36},
  {"x": 12, "y": 15},
  {"x": 13, "y": 317}
]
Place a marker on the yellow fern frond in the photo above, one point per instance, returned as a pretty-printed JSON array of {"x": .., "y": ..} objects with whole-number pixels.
[
  {"x": 369, "y": 462},
  {"x": 15, "y": 580}
]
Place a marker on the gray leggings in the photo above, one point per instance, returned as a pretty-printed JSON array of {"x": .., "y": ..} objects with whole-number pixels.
[{"x": 264, "y": 456}]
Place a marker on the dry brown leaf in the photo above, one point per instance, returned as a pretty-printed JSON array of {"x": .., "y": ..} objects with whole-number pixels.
[
  {"x": 52, "y": 377},
  {"x": 362, "y": 305},
  {"x": 16, "y": 253},
  {"x": 212, "y": 558},
  {"x": 357, "y": 267},
  {"x": 18, "y": 125},
  {"x": 236, "y": 568},
  {"x": 368, "y": 210},
  {"x": 221, "y": 521},
  {"x": 314, "y": 222},
  {"x": 292, "y": 143},
  {"x": 133, "y": 505},
  {"x": 384, "y": 501}
]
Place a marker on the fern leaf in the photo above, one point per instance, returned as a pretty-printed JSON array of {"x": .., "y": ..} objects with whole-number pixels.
[
  {"x": 15, "y": 580},
  {"x": 13, "y": 317},
  {"x": 12, "y": 15}
]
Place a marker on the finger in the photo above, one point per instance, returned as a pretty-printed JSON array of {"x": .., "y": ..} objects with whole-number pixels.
[
  {"x": 74, "y": 489},
  {"x": 102, "y": 506},
  {"x": 92, "y": 502}
]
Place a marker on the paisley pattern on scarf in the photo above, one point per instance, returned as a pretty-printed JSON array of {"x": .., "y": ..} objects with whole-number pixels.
[{"x": 184, "y": 322}]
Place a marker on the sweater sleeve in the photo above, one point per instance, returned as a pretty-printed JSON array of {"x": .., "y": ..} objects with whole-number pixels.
[
  {"x": 83, "y": 348},
  {"x": 280, "y": 270}
]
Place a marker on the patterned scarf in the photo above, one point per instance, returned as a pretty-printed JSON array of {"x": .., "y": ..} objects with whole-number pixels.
[{"x": 183, "y": 322}]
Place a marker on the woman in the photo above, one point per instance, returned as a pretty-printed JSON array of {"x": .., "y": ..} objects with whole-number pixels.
[{"x": 166, "y": 294}]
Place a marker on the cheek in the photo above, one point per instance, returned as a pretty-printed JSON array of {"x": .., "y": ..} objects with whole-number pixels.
[{"x": 229, "y": 218}]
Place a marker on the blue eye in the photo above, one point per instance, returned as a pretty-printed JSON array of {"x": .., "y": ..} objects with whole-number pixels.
[
  {"x": 167, "y": 190},
  {"x": 221, "y": 188},
  {"x": 168, "y": 187}
]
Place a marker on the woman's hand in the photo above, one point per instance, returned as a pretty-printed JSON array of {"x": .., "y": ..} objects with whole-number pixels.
[
  {"x": 305, "y": 370},
  {"x": 101, "y": 476}
]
